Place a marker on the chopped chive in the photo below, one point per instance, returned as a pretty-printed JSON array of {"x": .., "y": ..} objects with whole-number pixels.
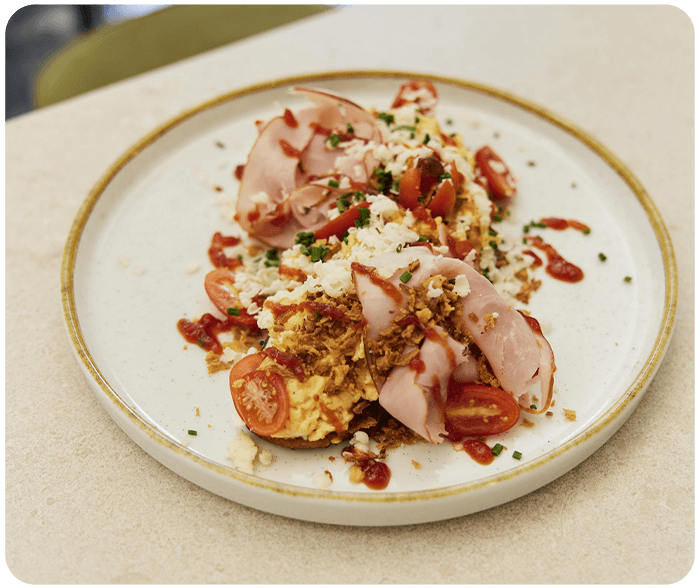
[
  {"x": 497, "y": 219},
  {"x": 359, "y": 196},
  {"x": 334, "y": 140},
  {"x": 192, "y": 432},
  {"x": 531, "y": 163},
  {"x": 317, "y": 252},
  {"x": 317, "y": 315},
  {"x": 426, "y": 139},
  {"x": 628, "y": 278},
  {"x": 343, "y": 203},
  {"x": 404, "y": 128},
  {"x": 497, "y": 449},
  {"x": 602, "y": 256},
  {"x": 405, "y": 276},
  {"x": 387, "y": 118},
  {"x": 533, "y": 406},
  {"x": 586, "y": 231},
  {"x": 399, "y": 247},
  {"x": 526, "y": 229},
  {"x": 272, "y": 255},
  {"x": 262, "y": 343},
  {"x": 493, "y": 245},
  {"x": 334, "y": 183},
  {"x": 453, "y": 282},
  {"x": 200, "y": 342},
  {"x": 517, "y": 455},
  {"x": 351, "y": 131},
  {"x": 492, "y": 233},
  {"x": 304, "y": 238},
  {"x": 233, "y": 311},
  {"x": 446, "y": 176},
  {"x": 422, "y": 239},
  {"x": 364, "y": 213}
]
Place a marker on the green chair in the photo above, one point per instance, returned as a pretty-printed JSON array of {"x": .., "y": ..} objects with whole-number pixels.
[{"x": 116, "y": 52}]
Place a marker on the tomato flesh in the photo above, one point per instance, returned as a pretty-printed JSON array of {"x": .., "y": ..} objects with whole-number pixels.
[
  {"x": 260, "y": 396},
  {"x": 409, "y": 188},
  {"x": 499, "y": 180},
  {"x": 478, "y": 410},
  {"x": 216, "y": 285},
  {"x": 443, "y": 201},
  {"x": 407, "y": 95},
  {"x": 340, "y": 224}
]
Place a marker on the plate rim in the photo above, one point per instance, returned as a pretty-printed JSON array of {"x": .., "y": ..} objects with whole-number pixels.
[{"x": 164, "y": 442}]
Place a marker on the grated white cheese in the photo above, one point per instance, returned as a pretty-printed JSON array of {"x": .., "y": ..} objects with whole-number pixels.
[
  {"x": 242, "y": 451},
  {"x": 461, "y": 286}
]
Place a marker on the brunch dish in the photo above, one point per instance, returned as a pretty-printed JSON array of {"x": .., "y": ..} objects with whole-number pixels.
[
  {"x": 395, "y": 296},
  {"x": 374, "y": 280}
]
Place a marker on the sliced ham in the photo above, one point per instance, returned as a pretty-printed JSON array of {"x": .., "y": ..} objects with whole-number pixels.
[
  {"x": 415, "y": 394},
  {"x": 289, "y": 152},
  {"x": 517, "y": 351}
]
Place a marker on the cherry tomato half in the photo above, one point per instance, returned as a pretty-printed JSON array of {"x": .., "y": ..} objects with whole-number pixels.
[
  {"x": 443, "y": 201},
  {"x": 260, "y": 396},
  {"x": 499, "y": 180},
  {"x": 409, "y": 188},
  {"x": 409, "y": 93},
  {"x": 476, "y": 409},
  {"x": 342, "y": 223},
  {"x": 216, "y": 284}
]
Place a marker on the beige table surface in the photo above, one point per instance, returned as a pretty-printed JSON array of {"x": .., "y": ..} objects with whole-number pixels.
[{"x": 84, "y": 504}]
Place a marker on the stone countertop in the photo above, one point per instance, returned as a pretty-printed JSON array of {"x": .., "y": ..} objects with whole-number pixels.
[{"x": 84, "y": 504}]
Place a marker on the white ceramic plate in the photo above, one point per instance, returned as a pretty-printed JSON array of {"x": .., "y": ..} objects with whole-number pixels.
[{"x": 153, "y": 213}]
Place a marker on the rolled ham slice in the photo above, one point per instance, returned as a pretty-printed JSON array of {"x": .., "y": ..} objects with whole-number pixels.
[
  {"x": 289, "y": 152},
  {"x": 415, "y": 394},
  {"x": 517, "y": 351}
]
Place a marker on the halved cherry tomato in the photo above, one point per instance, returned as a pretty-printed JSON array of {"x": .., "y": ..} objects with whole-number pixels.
[
  {"x": 260, "y": 396},
  {"x": 476, "y": 409},
  {"x": 243, "y": 366},
  {"x": 409, "y": 188},
  {"x": 459, "y": 249},
  {"x": 443, "y": 201},
  {"x": 216, "y": 285},
  {"x": 499, "y": 180},
  {"x": 407, "y": 94},
  {"x": 340, "y": 224}
]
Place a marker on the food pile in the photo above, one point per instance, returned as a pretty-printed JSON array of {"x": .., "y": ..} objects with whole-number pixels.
[{"x": 372, "y": 291}]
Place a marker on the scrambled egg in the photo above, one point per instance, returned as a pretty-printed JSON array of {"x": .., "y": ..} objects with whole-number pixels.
[
  {"x": 322, "y": 404},
  {"x": 315, "y": 414}
]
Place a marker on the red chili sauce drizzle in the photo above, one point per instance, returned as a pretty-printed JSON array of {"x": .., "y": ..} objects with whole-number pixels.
[
  {"x": 289, "y": 149},
  {"x": 560, "y": 224},
  {"x": 287, "y": 360},
  {"x": 557, "y": 266},
  {"x": 537, "y": 261},
  {"x": 289, "y": 119},
  {"x": 293, "y": 273},
  {"x": 376, "y": 473},
  {"x": 478, "y": 451},
  {"x": 216, "y": 251},
  {"x": 321, "y": 308},
  {"x": 204, "y": 331},
  {"x": 371, "y": 272}
]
